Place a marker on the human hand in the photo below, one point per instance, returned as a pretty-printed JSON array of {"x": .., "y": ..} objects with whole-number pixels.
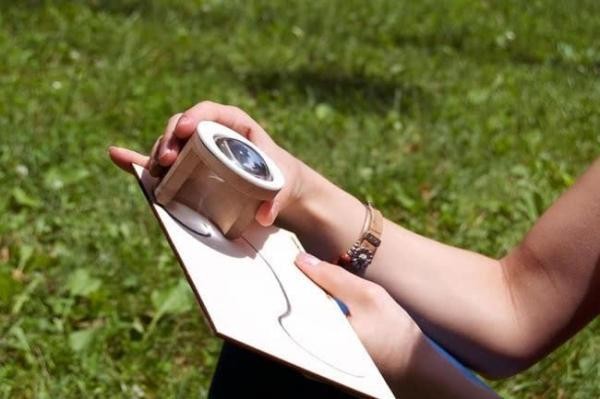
[
  {"x": 180, "y": 128},
  {"x": 385, "y": 329},
  {"x": 410, "y": 364}
]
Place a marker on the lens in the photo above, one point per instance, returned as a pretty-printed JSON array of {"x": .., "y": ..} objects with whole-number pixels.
[{"x": 245, "y": 157}]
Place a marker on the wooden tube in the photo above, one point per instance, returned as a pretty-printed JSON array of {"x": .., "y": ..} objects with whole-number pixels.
[{"x": 205, "y": 181}]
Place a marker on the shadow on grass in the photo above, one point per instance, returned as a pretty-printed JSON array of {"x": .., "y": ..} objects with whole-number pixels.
[
  {"x": 467, "y": 44},
  {"x": 346, "y": 92}
]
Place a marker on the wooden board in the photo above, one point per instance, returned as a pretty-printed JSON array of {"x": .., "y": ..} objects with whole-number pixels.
[{"x": 252, "y": 294}]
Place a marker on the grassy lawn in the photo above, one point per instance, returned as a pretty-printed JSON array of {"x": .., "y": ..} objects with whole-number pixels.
[{"x": 461, "y": 120}]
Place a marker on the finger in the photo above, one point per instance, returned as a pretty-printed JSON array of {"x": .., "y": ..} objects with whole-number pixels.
[
  {"x": 154, "y": 167},
  {"x": 227, "y": 115},
  {"x": 170, "y": 145},
  {"x": 123, "y": 158},
  {"x": 155, "y": 147},
  {"x": 267, "y": 212},
  {"x": 334, "y": 279}
]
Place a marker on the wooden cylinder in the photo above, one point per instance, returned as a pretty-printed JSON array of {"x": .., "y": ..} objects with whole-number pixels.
[{"x": 223, "y": 176}]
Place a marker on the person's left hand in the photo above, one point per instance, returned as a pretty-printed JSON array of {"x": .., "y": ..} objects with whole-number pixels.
[
  {"x": 181, "y": 126},
  {"x": 388, "y": 333}
]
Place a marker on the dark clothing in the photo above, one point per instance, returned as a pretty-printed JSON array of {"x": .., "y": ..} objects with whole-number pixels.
[{"x": 242, "y": 373}]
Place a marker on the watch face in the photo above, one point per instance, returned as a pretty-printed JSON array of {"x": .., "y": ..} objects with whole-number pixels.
[{"x": 244, "y": 157}]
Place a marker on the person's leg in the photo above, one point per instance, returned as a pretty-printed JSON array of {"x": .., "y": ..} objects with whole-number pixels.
[{"x": 241, "y": 373}]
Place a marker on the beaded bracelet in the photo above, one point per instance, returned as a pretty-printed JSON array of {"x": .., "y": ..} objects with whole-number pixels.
[{"x": 361, "y": 254}]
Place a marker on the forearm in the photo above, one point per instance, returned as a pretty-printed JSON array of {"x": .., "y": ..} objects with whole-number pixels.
[
  {"x": 498, "y": 316},
  {"x": 458, "y": 297},
  {"x": 454, "y": 294},
  {"x": 430, "y": 373}
]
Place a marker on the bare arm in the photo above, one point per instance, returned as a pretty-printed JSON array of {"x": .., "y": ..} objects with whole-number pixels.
[
  {"x": 499, "y": 316},
  {"x": 412, "y": 366}
]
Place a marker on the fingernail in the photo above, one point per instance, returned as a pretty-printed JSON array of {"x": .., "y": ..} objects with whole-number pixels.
[
  {"x": 305, "y": 259},
  {"x": 343, "y": 307}
]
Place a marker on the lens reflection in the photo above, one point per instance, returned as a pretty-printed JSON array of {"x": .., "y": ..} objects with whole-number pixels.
[{"x": 245, "y": 157}]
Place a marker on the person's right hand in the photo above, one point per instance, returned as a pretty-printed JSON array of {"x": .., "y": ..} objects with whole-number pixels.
[
  {"x": 181, "y": 126},
  {"x": 388, "y": 333},
  {"x": 411, "y": 365}
]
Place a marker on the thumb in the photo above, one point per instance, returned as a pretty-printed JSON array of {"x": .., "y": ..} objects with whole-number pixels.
[
  {"x": 335, "y": 280},
  {"x": 267, "y": 211}
]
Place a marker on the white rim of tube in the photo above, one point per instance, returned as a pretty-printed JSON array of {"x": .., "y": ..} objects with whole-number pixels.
[{"x": 207, "y": 130}]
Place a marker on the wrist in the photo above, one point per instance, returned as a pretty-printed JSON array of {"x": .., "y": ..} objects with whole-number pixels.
[
  {"x": 400, "y": 367},
  {"x": 326, "y": 218},
  {"x": 307, "y": 183}
]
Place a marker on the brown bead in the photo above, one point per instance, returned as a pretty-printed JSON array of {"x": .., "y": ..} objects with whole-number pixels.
[{"x": 344, "y": 260}]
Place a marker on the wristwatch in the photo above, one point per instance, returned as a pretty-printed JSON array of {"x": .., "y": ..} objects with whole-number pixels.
[{"x": 361, "y": 254}]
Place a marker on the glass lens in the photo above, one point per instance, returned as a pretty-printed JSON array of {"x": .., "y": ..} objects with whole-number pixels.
[{"x": 245, "y": 157}]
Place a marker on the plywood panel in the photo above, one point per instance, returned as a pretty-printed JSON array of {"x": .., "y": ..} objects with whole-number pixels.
[{"x": 252, "y": 294}]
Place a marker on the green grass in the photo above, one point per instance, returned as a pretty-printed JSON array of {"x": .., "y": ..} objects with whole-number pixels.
[{"x": 462, "y": 120}]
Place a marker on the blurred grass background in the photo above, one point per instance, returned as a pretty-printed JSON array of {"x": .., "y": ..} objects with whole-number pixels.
[{"x": 462, "y": 120}]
